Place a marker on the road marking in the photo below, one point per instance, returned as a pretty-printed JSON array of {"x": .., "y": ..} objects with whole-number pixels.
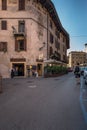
[
  {"x": 81, "y": 101},
  {"x": 32, "y": 86}
]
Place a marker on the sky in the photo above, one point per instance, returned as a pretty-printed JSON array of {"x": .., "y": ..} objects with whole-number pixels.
[{"x": 73, "y": 17}]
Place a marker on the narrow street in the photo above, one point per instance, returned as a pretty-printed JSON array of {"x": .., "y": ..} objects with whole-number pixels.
[{"x": 43, "y": 104}]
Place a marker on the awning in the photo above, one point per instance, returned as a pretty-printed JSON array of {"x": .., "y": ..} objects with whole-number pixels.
[{"x": 52, "y": 61}]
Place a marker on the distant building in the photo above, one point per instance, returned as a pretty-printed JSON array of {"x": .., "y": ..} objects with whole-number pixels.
[
  {"x": 30, "y": 34},
  {"x": 77, "y": 57},
  {"x": 86, "y": 50},
  {"x": 85, "y": 47}
]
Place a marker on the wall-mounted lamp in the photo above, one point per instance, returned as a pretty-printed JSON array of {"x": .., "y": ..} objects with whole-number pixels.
[{"x": 42, "y": 46}]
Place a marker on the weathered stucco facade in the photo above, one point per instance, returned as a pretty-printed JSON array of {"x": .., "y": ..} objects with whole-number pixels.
[
  {"x": 33, "y": 42},
  {"x": 77, "y": 57}
]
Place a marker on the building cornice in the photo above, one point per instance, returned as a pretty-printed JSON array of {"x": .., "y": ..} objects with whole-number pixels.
[{"x": 48, "y": 4}]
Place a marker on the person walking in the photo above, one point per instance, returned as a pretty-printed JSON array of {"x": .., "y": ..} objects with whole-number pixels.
[
  {"x": 12, "y": 73},
  {"x": 77, "y": 73}
]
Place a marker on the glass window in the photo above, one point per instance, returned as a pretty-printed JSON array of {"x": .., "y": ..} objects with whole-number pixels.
[
  {"x": 21, "y": 4},
  {"x": 4, "y": 25},
  {"x": 57, "y": 44},
  {"x": 4, "y": 4},
  {"x": 57, "y": 33},
  {"x": 3, "y": 46},
  {"x": 51, "y": 38},
  {"x": 51, "y": 25},
  {"x": 21, "y": 26},
  {"x": 51, "y": 51},
  {"x": 20, "y": 44}
]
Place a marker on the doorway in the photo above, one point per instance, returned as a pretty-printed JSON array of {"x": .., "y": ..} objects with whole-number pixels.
[
  {"x": 39, "y": 69},
  {"x": 19, "y": 69}
]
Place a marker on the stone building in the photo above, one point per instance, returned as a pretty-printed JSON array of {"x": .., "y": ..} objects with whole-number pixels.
[
  {"x": 30, "y": 33},
  {"x": 77, "y": 57}
]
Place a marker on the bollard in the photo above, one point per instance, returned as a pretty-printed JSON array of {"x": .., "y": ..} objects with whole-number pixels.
[{"x": 0, "y": 84}]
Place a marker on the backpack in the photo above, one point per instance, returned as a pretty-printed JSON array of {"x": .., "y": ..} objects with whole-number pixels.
[{"x": 77, "y": 69}]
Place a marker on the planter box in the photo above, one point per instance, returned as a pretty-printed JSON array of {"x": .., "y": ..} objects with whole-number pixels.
[{"x": 53, "y": 75}]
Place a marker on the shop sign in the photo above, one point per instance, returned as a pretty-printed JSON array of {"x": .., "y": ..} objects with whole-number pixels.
[
  {"x": 12, "y": 1},
  {"x": 17, "y": 59}
]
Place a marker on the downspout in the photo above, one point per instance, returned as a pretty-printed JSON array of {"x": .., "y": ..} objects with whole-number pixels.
[{"x": 47, "y": 37}]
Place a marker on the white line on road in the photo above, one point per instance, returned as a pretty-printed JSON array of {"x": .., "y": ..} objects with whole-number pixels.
[{"x": 32, "y": 86}]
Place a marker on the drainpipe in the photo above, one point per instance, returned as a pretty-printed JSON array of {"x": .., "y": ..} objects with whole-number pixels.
[{"x": 47, "y": 37}]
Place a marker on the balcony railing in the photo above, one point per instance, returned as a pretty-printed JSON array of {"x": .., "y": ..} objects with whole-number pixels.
[{"x": 18, "y": 33}]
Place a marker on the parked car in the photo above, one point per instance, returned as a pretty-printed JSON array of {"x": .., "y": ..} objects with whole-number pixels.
[
  {"x": 85, "y": 75},
  {"x": 85, "y": 72},
  {"x": 82, "y": 70},
  {"x": 69, "y": 69}
]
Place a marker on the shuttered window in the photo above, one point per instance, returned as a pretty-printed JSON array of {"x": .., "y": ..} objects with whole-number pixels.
[
  {"x": 21, "y": 4},
  {"x": 21, "y": 27},
  {"x": 4, "y": 4},
  {"x": 20, "y": 45},
  {"x": 4, "y": 25},
  {"x": 51, "y": 51},
  {"x": 51, "y": 38},
  {"x": 57, "y": 44},
  {"x": 57, "y": 33},
  {"x": 3, "y": 46}
]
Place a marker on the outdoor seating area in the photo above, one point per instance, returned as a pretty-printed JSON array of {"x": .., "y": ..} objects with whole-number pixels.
[{"x": 54, "y": 71}]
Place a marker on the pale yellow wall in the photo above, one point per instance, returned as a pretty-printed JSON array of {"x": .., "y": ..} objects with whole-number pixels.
[{"x": 76, "y": 57}]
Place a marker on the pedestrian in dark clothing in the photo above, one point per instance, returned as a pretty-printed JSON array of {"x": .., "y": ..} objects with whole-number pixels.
[
  {"x": 12, "y": 73},
  {"x": 77, "y": 73}
]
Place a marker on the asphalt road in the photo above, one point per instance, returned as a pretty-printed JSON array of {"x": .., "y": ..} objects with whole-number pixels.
[{"x": 42, "y": 104}]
